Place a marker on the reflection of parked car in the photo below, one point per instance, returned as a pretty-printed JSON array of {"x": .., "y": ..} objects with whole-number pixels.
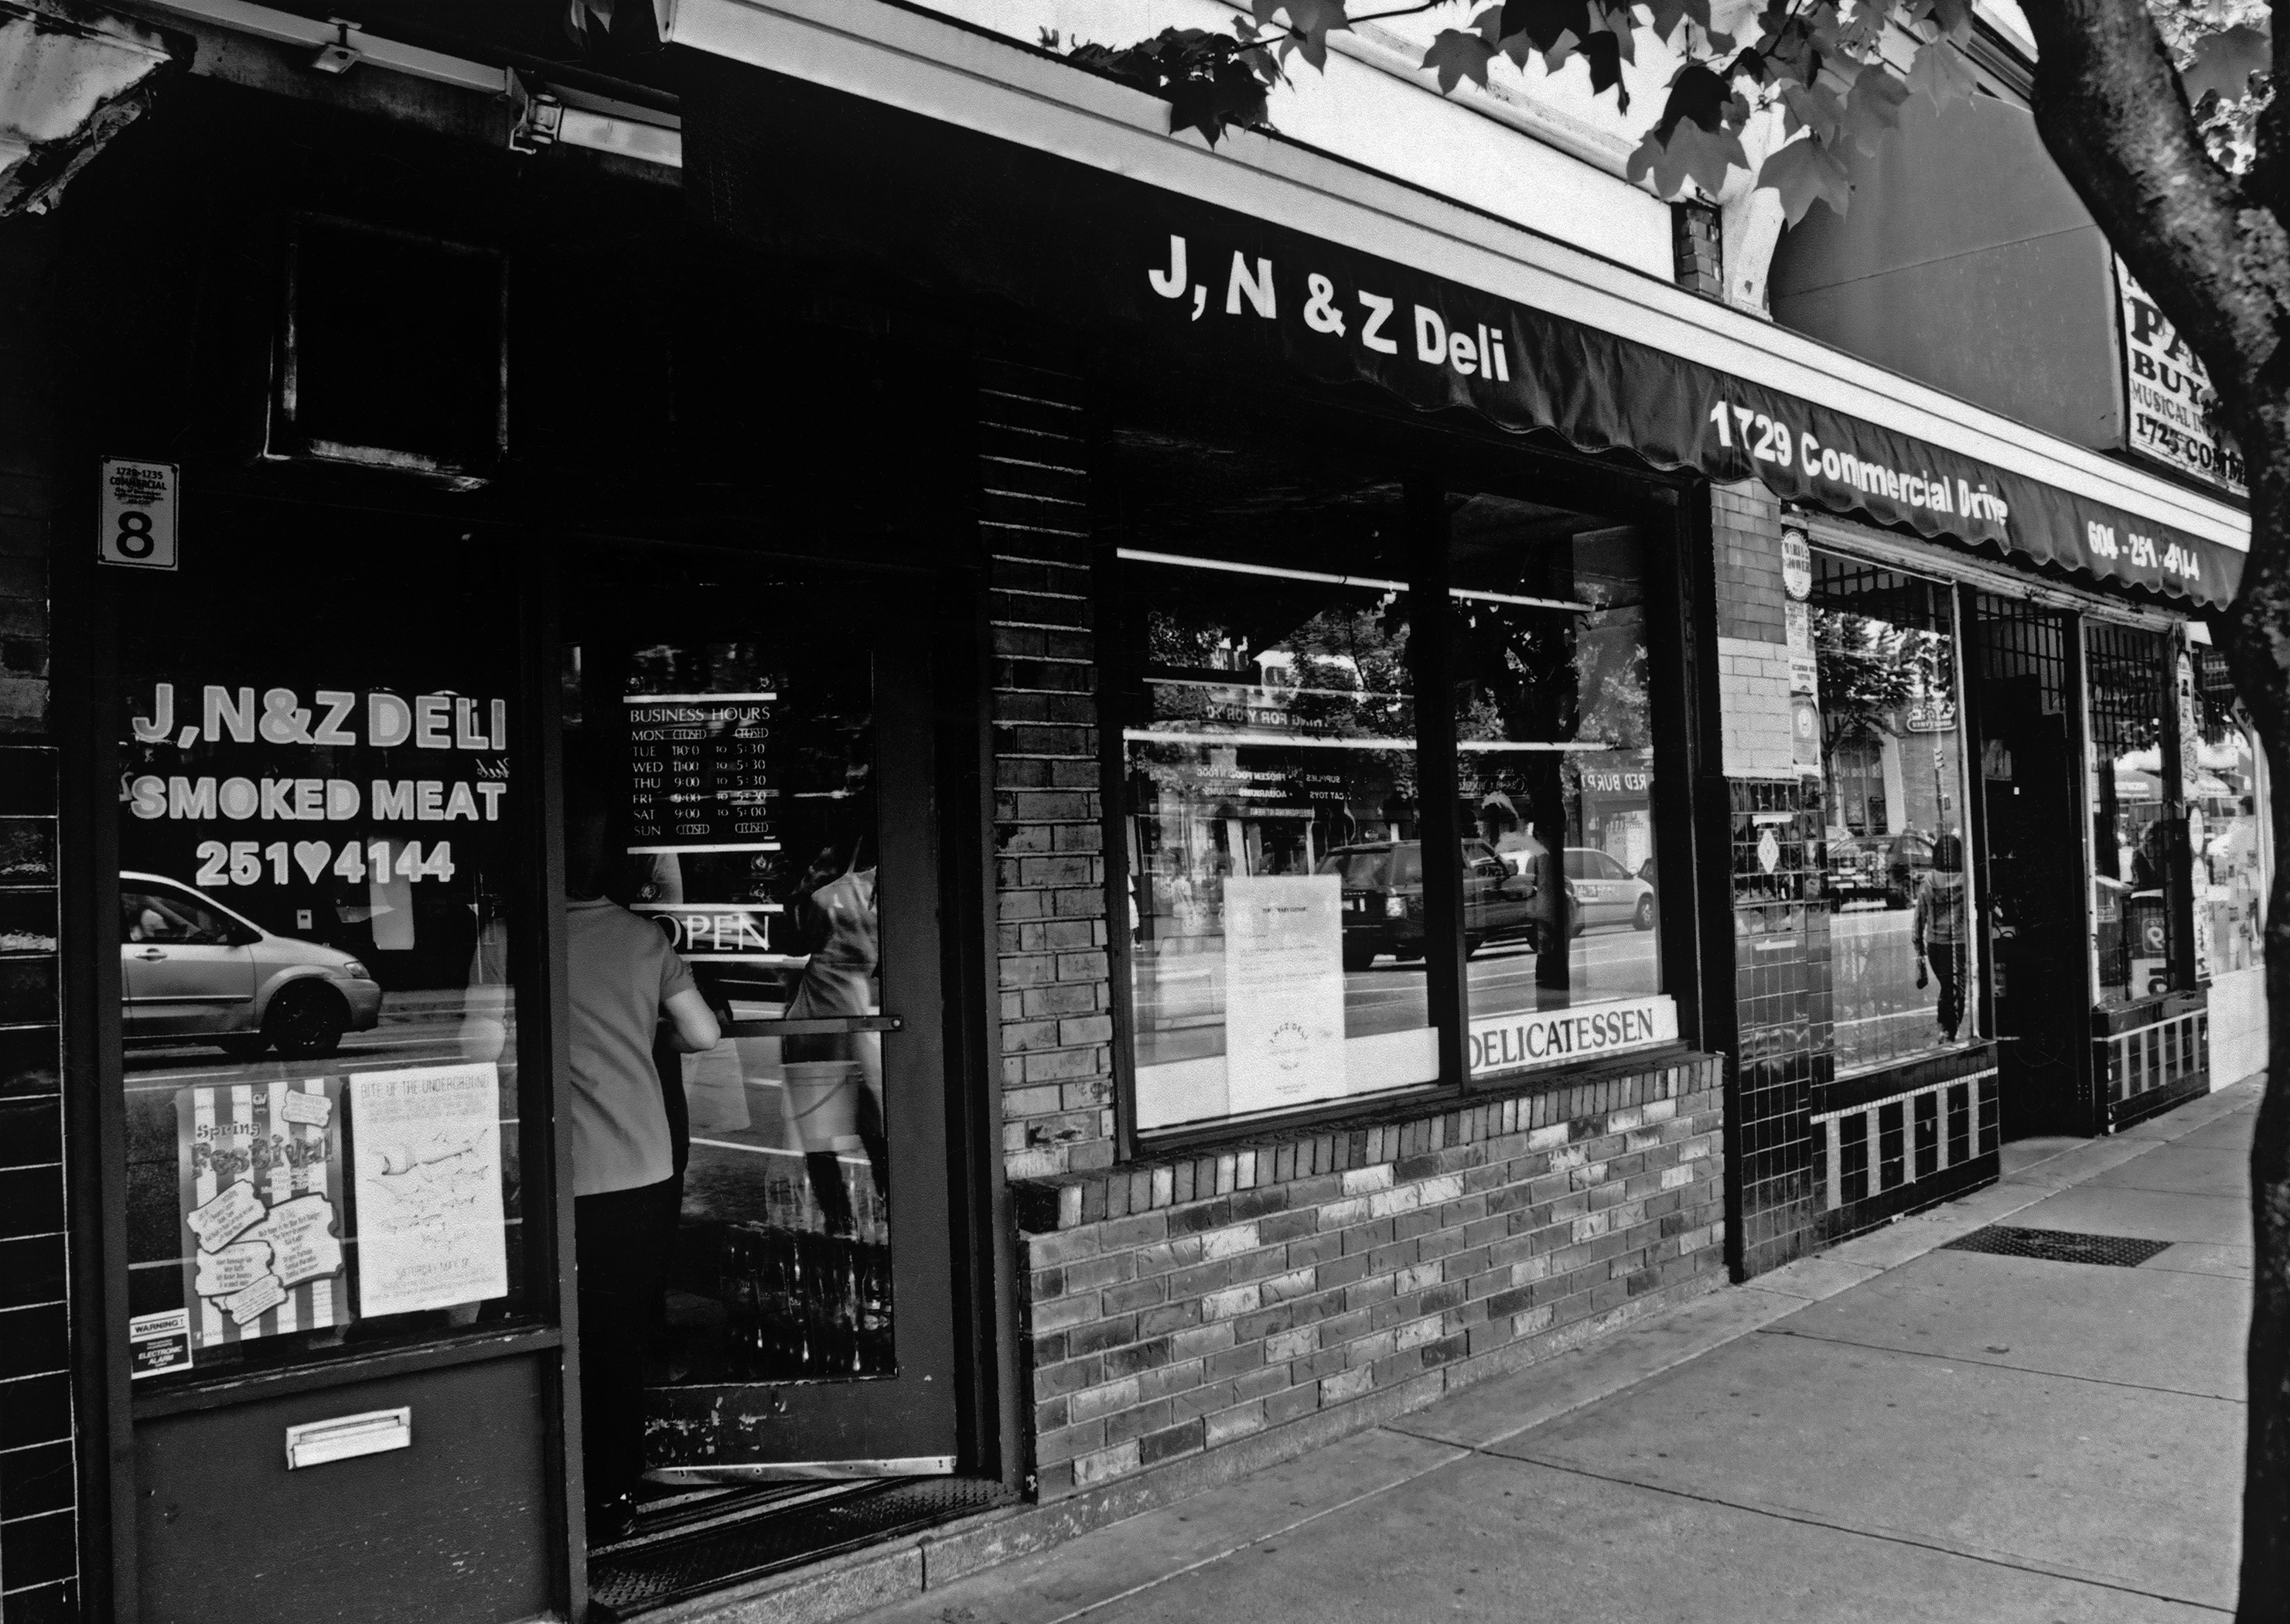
[
  {"x": 1887, "y": 868},
  {"x": 1605, "y": 891},
  {"x": 1383, "y": 898},
  {"x": 189, "y": 967}
]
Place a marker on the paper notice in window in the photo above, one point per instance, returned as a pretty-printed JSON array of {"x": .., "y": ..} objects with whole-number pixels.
[
  {"x": 428, "y": 1188},
  {"x": 234, "y": 1268},
  {"x": 221, "y": 1221},
  {"x": 1284, "y": 972},
  {"x": 301, "y": 1231},
  {"x": 256, "y": 1301},
  {"x": 315, "y": 1110}
]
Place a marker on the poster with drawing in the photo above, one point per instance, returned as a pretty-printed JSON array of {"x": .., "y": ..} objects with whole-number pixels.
[
  {"x": 427, "y": 1179},
  {"x": 259, "y": 1172}
]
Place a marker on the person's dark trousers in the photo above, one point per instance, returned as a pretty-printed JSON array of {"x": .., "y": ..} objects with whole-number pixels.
[
  {"x": 1947, "y": 970},
  {"x": 621, "y": 1240}
]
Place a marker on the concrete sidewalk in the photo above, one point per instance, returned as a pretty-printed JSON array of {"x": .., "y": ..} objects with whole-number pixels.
[{"x": 1887, "y": 1431}]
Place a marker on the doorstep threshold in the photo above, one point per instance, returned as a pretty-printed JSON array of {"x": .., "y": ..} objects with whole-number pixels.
[{"x": 717, "y": 1545}]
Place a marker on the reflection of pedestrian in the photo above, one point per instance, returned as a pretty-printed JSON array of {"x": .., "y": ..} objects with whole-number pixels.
[
  {"x": 836, "y": 920},
  {"x": 622, "y": 979},
  {"x": 1940, "y": 930}
]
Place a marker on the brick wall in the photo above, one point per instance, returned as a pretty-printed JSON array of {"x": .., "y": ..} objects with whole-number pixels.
[
  {"x": 39, "y": 1534},
  {"x": 1057, "y": 1025},
  {"x": 1698, "y": 247},
  {"x": 1321, "y": 1282}
]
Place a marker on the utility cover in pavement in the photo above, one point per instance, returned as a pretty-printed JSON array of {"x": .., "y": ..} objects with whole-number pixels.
[{"x": 2058, "y": 1246}]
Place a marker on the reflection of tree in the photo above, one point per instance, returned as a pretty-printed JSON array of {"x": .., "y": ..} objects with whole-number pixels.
[{"x": 1867, "y": 676}]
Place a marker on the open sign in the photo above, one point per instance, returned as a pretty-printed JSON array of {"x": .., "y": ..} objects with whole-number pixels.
[{"x": 740, "y": 931}]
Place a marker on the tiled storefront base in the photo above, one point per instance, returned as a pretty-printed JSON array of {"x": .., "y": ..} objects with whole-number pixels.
[
  {"x": 1903, "y": 1138},
  {"x": 1182, "y": 1307}
]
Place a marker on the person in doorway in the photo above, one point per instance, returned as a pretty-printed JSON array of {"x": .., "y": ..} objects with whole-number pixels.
[
  {"x": 1940, "y": 932},
  {"x": 624, "y": 982}
]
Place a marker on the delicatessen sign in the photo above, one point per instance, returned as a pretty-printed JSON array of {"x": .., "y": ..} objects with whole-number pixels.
[{"x": 1542, "y": 1037}]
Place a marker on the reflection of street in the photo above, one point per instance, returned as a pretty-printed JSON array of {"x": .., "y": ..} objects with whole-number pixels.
[
  {"x": 1180, "y": 998},
  {"x": 1879, "y": 1010},
  {"x": 418, "y": 1027}
]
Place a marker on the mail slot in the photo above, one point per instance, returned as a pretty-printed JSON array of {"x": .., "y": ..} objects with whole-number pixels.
[{"x": 372, "y": 1433}]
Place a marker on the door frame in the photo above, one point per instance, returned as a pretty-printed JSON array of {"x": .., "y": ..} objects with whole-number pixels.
[{"x": 768, "y": 1428}]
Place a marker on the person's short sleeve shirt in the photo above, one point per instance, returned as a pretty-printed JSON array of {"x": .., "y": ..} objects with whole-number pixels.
[{"x": 620, "y": 972}]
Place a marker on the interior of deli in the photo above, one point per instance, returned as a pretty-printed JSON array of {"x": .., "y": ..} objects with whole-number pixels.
[{"x": 744, "y": 852}]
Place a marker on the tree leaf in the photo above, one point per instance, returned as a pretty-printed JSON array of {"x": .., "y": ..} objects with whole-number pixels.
[
  {"x": 1805, "y": 173},
  {"x": 1456, "y": 56},
  {"x": 1873, "y": 106},
  {"x": 1814, "y": 108},
  {"x": 1697, "y": 97},
  {"x": 1941, "y": 72},
  {"x": 1690, "y": 154}
]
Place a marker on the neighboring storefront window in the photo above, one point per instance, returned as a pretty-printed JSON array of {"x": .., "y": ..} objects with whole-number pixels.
[
  {"x": 1555, "y": 773},
  {"x": 1275, "y": 863},
  {"x": 319, "y": 1026},
  {"x": 1904, "y": 957},
  {"x": 2229, "y": 843},
  {"x": 2133, "y": 839}
]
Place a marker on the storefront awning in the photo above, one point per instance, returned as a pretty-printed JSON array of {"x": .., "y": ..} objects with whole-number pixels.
[{"x": 818, "y": 174}]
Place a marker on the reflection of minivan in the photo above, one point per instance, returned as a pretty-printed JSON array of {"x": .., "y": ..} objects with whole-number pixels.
[
  {"x": 189, "y": 967},
  {"x": 1606, "y": 892},
  {"x": 1383, "y": 898}
]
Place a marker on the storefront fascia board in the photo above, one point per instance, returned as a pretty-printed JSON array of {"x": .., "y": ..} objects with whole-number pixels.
[{"x": 980, "y": 82}]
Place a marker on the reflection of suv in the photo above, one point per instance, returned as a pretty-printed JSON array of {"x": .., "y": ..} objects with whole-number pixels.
[
  {"x": 1383, "y": 898},
  {"x": 189, "y": 967},
  {"x": 1887, "y": 868}
]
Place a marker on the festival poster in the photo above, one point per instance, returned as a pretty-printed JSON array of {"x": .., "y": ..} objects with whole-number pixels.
[
  {"x": 1284, "y": 986},
  {"x": 258, "y": 1169},
  {"x": 427, "y": 1178}
]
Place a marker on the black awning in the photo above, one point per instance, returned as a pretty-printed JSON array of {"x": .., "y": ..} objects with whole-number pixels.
[{"x": 817, "y": 174}]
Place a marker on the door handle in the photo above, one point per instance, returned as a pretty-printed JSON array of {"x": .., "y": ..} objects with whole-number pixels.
[
  {"x": 152, "y": 953},
  {"x": 814, "y": 1025}
]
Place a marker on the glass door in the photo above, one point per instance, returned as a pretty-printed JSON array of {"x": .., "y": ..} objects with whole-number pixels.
[{"x": 761, "y": 740}]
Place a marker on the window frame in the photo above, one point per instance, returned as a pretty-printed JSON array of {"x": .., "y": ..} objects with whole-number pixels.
[{"x": 1664, "y": 511}]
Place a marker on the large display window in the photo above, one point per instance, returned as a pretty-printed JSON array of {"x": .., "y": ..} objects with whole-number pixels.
[
  {"x": 1307, "y": 861},
  {"x": 2138, "y": 872},
  {"x": 1555, "y": 771},
  {"x": 1905, "y": 957},
  {"x": 319, "y": 878},
  {"x": 1277, "y": 867}
]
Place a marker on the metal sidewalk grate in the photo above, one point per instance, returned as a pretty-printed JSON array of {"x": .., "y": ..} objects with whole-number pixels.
[
  {"x": 2059, "y": 1245},
  {"x": 624, "y": 1581}
]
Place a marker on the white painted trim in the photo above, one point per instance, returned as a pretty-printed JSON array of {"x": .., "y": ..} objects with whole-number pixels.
[
  {"x": 287, "y": 28},
  {"x": 920, "y": 63}
]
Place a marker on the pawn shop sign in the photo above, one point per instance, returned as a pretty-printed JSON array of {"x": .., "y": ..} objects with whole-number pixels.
[{"x": 135, "y": 519}]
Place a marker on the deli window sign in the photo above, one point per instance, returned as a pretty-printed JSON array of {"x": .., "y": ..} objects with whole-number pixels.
[{"x": 2170, "y": 408}]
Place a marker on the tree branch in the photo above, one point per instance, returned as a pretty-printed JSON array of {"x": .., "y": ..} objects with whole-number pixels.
[{"x": 2108, "y": 106}]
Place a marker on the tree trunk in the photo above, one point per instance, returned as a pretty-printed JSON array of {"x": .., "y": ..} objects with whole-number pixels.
[
  {"x": 2256, "y": 637},
  {"x": 2215, "y": 254}
]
